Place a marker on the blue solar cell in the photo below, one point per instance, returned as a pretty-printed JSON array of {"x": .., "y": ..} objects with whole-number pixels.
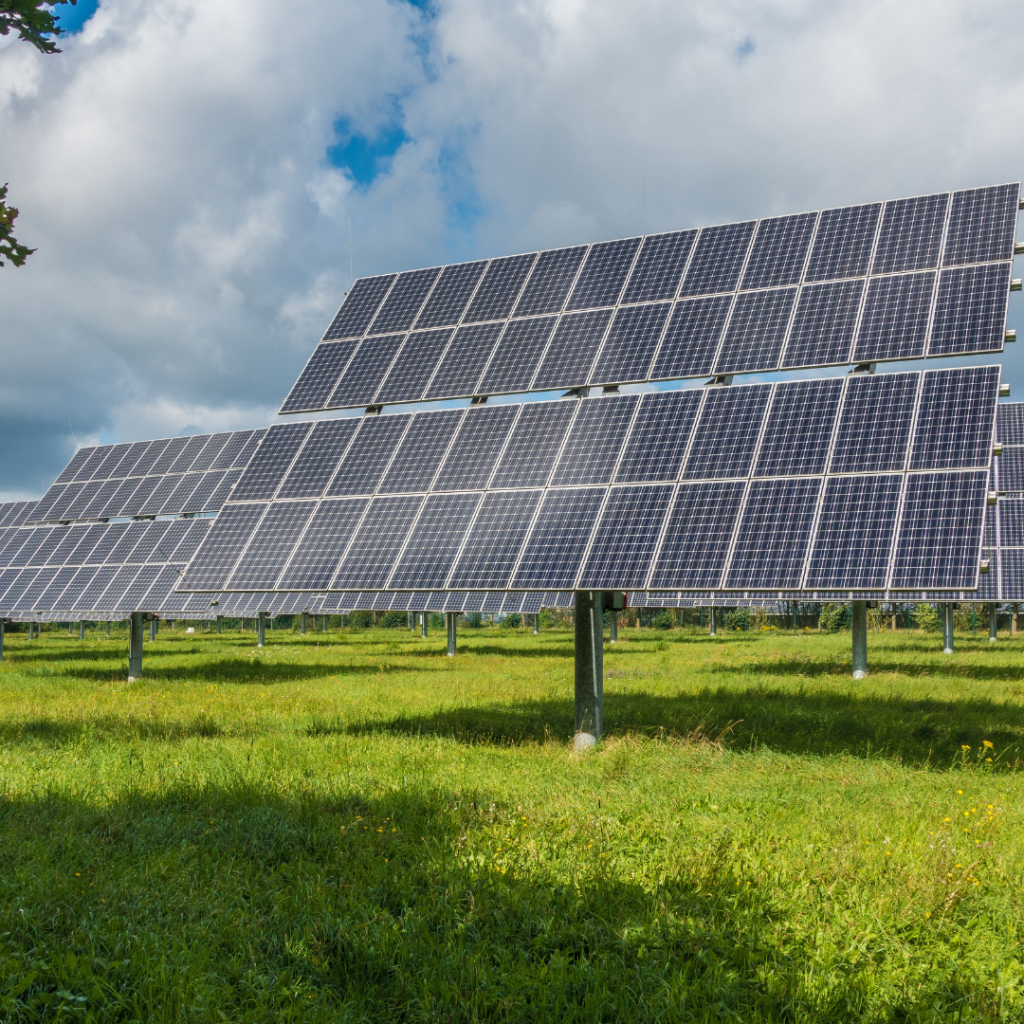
[
  {"x": 463, "y": 362},
  {"x": 367, "y": 368},
  {"x": 495, "y": 539},
  {"x": 911, "y": 234},
  {"x": 1011, "y": 470},
  {"x": 421, "y": 452},
  {"x": 89, "y": 464},
  {"x": 412, "y": 370},
  {"x": 215, "y": 444},
  {"x": 359, "y": 307},
  {"x": 377, "y": 543},
  {"x": 220, "y": 550},
  {"x": 399, "y": 309},
  {"x": 451, "y": 294},
  {"x": 982, "y": 225},
  {"x": 1010, "y": 423},
  {"x": 603, "y": 274},
  {"x": 1011, "y": 522},
  {"x": 498, "y": 291},
  {"x": 71, "y": 469},
  {"x": 187, "y": 455},
  {"x": 435, "y": 541},
  {"x": 163, "y": 462},
  {"x": 516, "y": 356},
  {"x": 697, "y": 537},
  {"x": 572, "y": 351},
  {"x": 476, "y": 448},
  {"x": 692, "y": 339},
  {"x": 727, "y": 432},
  {"x": 954, "y": 428},
  {"x": 970, "y": 312},
  {"x": 369, "y": 455},
  {"x": 319, "y": 377},
  {"x": 771, "y": 544},
  {"x": 534, "y": 444},
  {"x": 558, "y": 541},
  {"x": 799, "y": 428},
  {"x": 855, "y": 532},
  {"x": 116, "y": 452},
  {"x": 940, "y": 535},
  {"x": 874, "y": 424},
  {"x": 756, "y": 331},
  {"x": 779, "y": 251},
  {"x": 718, "y": 259},
  {"x": 549, "y": 284},
  {"x": 823, "y": 327},
  {"x": 316, "y": 463},
  {"x": 271, "y": 545},
  {"x": 271, "y": 462},
  {"x": 626, "y": 537},
  {"x": 895, "y": 321},
  {"x": 842, "y": 245},
  {"x": 592, "y": 448},
  {"x": 631, "y": 343},
  {"x": 659, "y": 267},
  {"x": 657, "y": 443}
]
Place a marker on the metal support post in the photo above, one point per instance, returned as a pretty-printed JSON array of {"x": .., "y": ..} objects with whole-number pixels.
[
  {"x": 81, "y": 629},
  {"x": 714, "y": 622},
  {"x": 589, "y": 623},
  {"x": 31, "y": 631},
  {"x": 152, "y": 628},
  {"x": 423, "y": 623},
  {"x": 69, "y": 627},
  {"x": 261, "y": 630},
  {"x": 947, "y": 628},
  {"x": 303, "y": 624},
  {"x": 614, "y": 628},
  {"x": 536, "y": 623},
  {"x": 992, "y": 623},
  {"x": 3, "y": 623},
  {"x": 108, "y": 629},
  {"x": 218, "y": 625},
  {"x": 134, "y": 646},
  {"x": 451, "y": 617},
  {"x": 410, "y": 621},
  {"x": 325, "y": 623},
  {"x": 859, "y": 629},
  {"x": 1013, "y": 620}
]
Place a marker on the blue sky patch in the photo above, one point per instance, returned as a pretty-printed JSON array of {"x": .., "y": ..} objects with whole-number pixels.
[
  {"x": 745, "y": 49},
  {"x": 73, "y": 19},
  {"x": 365, "y": 158}
]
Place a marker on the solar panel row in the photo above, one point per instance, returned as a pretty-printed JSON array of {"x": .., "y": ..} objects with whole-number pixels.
[
  {"x": 904, "y": 279},
  {"x": 148, "y": 478},
  {"x": 865, "y": 482}
]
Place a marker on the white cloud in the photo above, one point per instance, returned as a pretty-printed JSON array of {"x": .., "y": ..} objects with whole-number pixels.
[{"x": 193, "y": 242}]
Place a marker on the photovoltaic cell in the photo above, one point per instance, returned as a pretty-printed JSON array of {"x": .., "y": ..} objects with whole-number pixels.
[
  {"x": 911, "y": 234},
  {"x": 76, "y": 463},
  {"x": 631, "y": 343},
  {"x": 320, "y": 376},
  {"x": 435, "y": 541},
  {"x": 939, "y": 541},
  {"x": 842, "y": 246},
  {"x": 359, "y": 307},
  {"x": 222, "y": 489},
  {"x": 316, "y": 462},
  {"x": 799, "y": 428},
  {"x": 534, "y": 444},
  {"x": 756, "y": 331},
  {"x": 314, "y": 560},
  {"x": 552, "y": 554},
  {"x": 188, "y": 454},
  {"x": 237, "y": 452},
  {"x": 657, "y": 443},
  {"x": 874, "y": 424},
  {"x": 214, "y": 446},
  {"x": 659, "y": 267},
  {"x": 407, "y": 379},
  {"x": 462, "y": 364},
  {"x": 271, "y": 462},
  {"x": 516, "y": 356},
  {"x": 476, "y": 448},
  {"x": 572, "y": 351},
  {"x": 115, "y": 453},
  {"x": 1010, "y": 420},
  {"x": 498, "y": 291},
  {"x": 163, "y": 462},
  {"x": 951, "y": 433},
  {"x": 895, "y": 322},
  {"x": 88, "y": 466},
  {"x": 222, "y": 547},
  {"x": 779, "y": 251},
  {"x": 982, "y": 225},
  {"x": 451, "y": 294},
  {"x": 403, "y": 302},
  {"x": 1011, "y": 470},
  {"x": 727, "y": 432},
  {"x": 201, "y": 499},
  {"x": 1011, "y": 522},
  {"x": 368, "y": 455},
  {"x": 421, "y": 452},
  {"x": 692, "y": 338},
  {"x": 626, "y": 537},
  {"x": 368, "y": 366},
  {"x": 855, "y": 532},
  {"x": 495, "y": 539},
  {"x": 552, "y": 277},
  {"x": 698, "y": 535},
  {"x": 377, "y": 543},
  {"x": 718, "y": 259},
  {"x": 603, "y": 274},
  {"x": 268, "y": 551},
  {"x": 771, "y": 545},
  {"x": 824, "y": 324},
  {"x": 137, "y": 461},
  {"x": 970, "y": 312},
  {"x": 591, "y": 450}
]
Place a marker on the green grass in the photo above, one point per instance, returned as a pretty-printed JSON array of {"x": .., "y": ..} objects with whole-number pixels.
[{"x": 355, "y": 827}]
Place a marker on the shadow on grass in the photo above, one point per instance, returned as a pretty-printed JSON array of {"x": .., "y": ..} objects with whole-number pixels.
[
  {"x": 342, "y": 906},
  {"x": 100, "y": 728},
  {"x": 914, "y": 731}
]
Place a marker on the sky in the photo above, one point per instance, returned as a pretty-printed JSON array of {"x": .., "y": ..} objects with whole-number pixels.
[{"x": 202, "y": 178}]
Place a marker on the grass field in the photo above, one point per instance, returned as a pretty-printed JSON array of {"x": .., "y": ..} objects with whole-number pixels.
[{"x": 355, "y": 827}]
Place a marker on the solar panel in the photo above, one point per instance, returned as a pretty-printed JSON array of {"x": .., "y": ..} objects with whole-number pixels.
[
  {"x": 572, "y": 351},
  {"x": 377, "y": 542},
  {"x": 799, "y": 428},
  {"x": 494, "y": 541},
  {"x": 323, "y": 544},
  {"x": 657, "y": 443},
  {"x": 534, "y": 444},
  {"x": 594, "y": 441},
  {"x": 954, "y": 427},
  {"x": 727, "y": 432},
  {"x": 316, "y": 462},
  {"x": 869, "y": 283},
  {"x": 368, "y": 455},
  {"x": 476, "y": 448},
  {"x": 875, "y": 422},
  {"x": 421, "y": 452},
  {"x": 435, "y": 541},
  {"x": 270, "y": 545},
  {"x": 360, "y": 306}
]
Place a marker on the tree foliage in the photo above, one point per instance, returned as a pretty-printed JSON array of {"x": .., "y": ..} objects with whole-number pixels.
[{"x": 9, "y": 245}]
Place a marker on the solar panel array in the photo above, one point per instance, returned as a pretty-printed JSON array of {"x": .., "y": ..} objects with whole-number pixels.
[
  {"x": 925, "y": 276},
  {"x": 868, "y": 482},
  {"x": 171, "y": 476}
]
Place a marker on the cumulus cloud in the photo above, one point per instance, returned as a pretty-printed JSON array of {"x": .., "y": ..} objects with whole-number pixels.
[{"x": 181, "y": 166}]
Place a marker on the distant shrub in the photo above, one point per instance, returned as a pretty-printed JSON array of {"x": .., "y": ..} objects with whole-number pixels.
[
  {"x": 513, "y": 621},
  {"x": 927, "y": 618},
  {"x": 834, "y": 617},
  {"x": 737, "y": 618}
]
